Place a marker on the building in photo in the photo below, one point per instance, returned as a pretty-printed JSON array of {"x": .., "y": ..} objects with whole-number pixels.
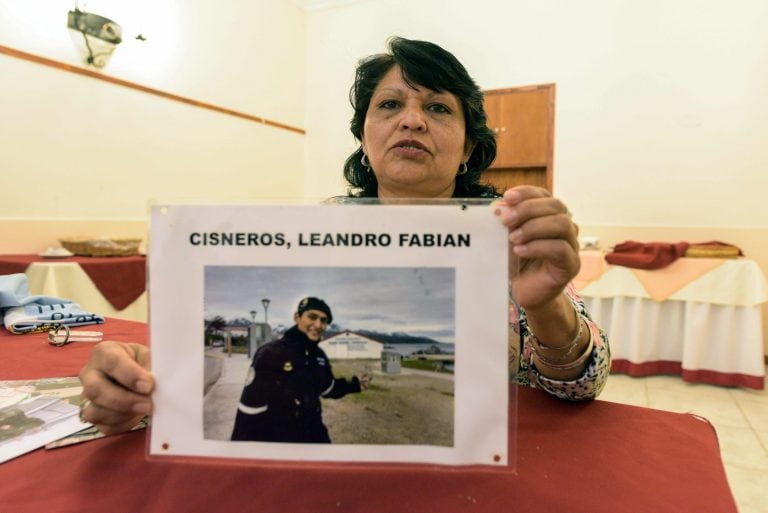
[{"x": 351, "y": 345}]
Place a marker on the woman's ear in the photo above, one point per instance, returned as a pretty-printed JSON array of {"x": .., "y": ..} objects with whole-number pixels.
[
  {"x": 296, "y": 318},
  {"x": 469, "y": 147}
]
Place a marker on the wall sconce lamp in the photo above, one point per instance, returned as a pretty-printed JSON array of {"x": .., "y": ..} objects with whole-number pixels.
[{"x": 95, "y": 36}]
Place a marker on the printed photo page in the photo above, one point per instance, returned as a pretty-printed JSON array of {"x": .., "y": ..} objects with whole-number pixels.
[{"x": 337, "y": 332}]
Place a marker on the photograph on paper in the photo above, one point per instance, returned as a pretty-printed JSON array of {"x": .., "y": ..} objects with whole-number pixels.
[{"x": 329, "y": 354}]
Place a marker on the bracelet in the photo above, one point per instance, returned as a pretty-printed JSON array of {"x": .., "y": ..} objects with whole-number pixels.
[
  {"x": 570, "y": 365},
  {"x": 568, "y": 348}
]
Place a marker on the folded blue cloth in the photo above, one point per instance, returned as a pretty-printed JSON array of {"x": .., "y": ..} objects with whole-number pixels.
[{"x": 23, "y": 313}]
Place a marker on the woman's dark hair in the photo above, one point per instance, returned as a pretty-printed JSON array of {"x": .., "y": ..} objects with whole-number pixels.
[{"x": 427, "y": 65}]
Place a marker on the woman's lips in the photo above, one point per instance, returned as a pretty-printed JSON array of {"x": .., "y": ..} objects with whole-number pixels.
[{"x": 410, "y": 148}]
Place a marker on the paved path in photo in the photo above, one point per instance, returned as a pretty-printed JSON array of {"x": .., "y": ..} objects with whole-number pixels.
[{"x": 412, "y": 407}]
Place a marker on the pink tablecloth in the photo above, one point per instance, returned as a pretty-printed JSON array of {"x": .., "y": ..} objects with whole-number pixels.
[{"x": 576, "y": 457}]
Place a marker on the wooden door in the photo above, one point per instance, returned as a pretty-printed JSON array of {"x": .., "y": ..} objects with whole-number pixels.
[{"x": 523, "y": 120}]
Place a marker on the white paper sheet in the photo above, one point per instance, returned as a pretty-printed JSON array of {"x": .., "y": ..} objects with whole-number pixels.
[{"x": 404, "y": 266}]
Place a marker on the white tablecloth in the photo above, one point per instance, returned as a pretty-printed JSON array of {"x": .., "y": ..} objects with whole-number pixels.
[
  {"x": 68, "y": 280},
  {"x": 707, "y": 329}
]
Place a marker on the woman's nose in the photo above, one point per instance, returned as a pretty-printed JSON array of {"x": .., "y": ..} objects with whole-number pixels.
[{"x": 413, "y": 119}]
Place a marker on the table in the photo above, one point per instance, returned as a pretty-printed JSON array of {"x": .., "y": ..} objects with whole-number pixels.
[
  {"x": 577, "y": 457},
  {"x": 108, "y": 286},
  {"x": 699, "y": 318}
]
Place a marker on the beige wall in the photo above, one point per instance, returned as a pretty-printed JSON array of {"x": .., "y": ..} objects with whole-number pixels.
[
  {"x": 87, "y": 151},
  {"x": 247, "y": 55},
  {"x": 25, "y": 236},
  {"x": 661, "y": 112},
  {"x": 660, "y": 119}
]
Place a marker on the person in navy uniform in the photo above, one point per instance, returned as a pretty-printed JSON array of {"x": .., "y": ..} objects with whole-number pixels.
[{"x": 287, "y": 378}]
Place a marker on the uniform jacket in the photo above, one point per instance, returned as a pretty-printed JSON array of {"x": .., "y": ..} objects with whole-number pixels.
[{"x": 281, "y": 398}]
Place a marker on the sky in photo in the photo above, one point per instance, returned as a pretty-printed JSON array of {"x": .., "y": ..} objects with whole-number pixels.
[{"x": 417, "y": 301}]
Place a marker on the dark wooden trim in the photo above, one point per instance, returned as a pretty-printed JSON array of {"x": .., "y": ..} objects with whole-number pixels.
[
  {"x": 551, "y": 139},
  {"x": 138, "y": 87},
  {"x": 521, "y": 89}
]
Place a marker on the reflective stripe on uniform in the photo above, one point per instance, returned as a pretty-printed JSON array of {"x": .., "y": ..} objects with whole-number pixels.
[
  {"x": 250, "y": 410},
  {"x": 333, "y": 382}
]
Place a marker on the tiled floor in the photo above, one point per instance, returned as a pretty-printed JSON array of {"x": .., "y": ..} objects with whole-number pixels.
[{"x": 740, "y": 417}]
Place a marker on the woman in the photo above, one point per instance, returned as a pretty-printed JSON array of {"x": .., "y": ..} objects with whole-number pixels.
[{"x": 422, "y": 129}]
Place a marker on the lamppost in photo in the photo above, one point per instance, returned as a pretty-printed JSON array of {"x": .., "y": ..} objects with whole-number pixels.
[
  {"x": 253, "y": 342},
  {"x": 265, "y": 303}
]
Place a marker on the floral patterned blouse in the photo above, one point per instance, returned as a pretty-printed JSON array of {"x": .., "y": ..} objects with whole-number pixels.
[{"x": 592, "y": 380}]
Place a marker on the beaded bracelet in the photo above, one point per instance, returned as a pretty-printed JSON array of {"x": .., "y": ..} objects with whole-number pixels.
[{"x": 538, "y": 344}]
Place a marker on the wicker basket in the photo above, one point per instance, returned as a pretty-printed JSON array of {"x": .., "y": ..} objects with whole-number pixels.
[
  {"x": 711, "y": 251},
  {"x": 83, "y": 246}
]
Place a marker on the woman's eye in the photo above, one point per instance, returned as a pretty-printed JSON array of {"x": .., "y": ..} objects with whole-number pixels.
[
  {"x": 438, "y": 108},
  {"x": 388, "y": 104}
]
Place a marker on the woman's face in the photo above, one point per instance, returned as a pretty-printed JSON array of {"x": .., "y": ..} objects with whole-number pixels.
[{"x": 414, "y": 139}]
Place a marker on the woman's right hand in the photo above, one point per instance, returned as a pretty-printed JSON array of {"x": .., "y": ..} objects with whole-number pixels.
[{"x": 117, "y": 386}]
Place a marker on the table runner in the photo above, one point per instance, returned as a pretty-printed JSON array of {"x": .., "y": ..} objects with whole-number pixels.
[
  {"x": 711, "y": 280},
  {"x": 121, "y": 280}
]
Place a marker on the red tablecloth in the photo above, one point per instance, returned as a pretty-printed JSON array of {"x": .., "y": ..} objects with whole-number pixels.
[
  {"x": 121, "y": 280},
  {"x": 572, "y": 457}
]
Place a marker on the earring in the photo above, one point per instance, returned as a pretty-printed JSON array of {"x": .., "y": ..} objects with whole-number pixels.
[
  {"x": 364, "y": 162},
  {"x": 462, "y": 169}
]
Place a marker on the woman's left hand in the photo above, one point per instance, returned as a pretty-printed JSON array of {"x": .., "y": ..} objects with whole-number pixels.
[{"x": 544, "y": 248}]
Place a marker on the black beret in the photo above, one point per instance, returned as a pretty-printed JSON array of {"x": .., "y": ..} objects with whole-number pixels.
[{"x": 314, "y": 303}]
